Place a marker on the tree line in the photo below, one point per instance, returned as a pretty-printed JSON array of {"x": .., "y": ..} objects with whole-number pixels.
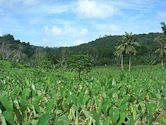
[
  {"x": 129, "y": 46},
  {"x": 108, "y": 50}
]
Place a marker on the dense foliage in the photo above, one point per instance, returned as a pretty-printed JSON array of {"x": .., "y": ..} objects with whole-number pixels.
[
  {"x": 107, "y": 96},
  {"x": 127, "y": 46},
  {"x": 101, "y": 50},
  {"x": 80, "y": 63}
]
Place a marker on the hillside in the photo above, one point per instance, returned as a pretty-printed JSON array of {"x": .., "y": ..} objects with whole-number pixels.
[{"x": 101, "y": 50}]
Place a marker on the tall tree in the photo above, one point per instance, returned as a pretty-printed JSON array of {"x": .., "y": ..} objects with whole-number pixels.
[
  {"x": 128, "y": 46},
  {"x": 5, "y": 51},
  {"x": 163, "y": 27},
  {"x": 120, "y": 53},
  {"x": 40, "y": 58},
  {"x": 161, "y": 50},
  {"x": 162, "y": 41},
  {"x": 80, "y": 64}
]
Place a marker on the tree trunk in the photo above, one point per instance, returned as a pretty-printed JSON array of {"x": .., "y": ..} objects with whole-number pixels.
[
  {"x": 129, "y": 62},
  {"x": 162, "y": 63},
  {"x": 122, "y": 61},
  {"x": 79, "y": 75}
]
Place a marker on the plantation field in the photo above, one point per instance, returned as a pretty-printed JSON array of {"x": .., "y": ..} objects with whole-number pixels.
[{"x": 105, "y": 96}]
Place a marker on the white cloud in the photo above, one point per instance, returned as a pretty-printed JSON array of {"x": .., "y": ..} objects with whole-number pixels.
[
  {"x": 140, "y": 5},
  {"x": 63, "y": 20},
  {"x": 66, "y": 31},
  {"x": 78, "y": 42},
  {"x": 49, "y": 9},
  {"x": 109, "y": 29},
  {"x": 56, "y": 30},
  {"x": 94, "y": 9},
  {"x": 34, "y": 7},
  {"x": 69, "y": 35}
]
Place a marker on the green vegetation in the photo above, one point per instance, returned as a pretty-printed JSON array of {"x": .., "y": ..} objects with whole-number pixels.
[
  {"x": 107, "y": 96},
  {"x": 38, "y": 86},
  {"x": 102, "y": 50},
  {"x": 128, "y": 46},
  {"x": 80, "y": 63},
  {"x": 162, "y": 41}
]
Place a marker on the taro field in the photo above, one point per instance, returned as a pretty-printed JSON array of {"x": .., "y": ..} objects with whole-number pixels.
[{"x": 104, "y": 96}]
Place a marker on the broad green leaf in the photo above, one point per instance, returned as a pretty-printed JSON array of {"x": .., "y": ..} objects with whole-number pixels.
[
  {"x": 106, "y": 121},
  {"x": 50, "y": 106},
  {"x": 96, "y": 117},
  {"x": 62, "y": 121},
  {"x": 122, "y": 118},
  {"x": 9, "y": 117},
  {"x": 44, "y": 119},
  {"x": 114, "y": 115},
  {"x": 7, "y": 102}
]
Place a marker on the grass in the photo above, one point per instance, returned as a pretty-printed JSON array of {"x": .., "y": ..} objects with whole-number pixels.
[{"x": 105, "y": 96}]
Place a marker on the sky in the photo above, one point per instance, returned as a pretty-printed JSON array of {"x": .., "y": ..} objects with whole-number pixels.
[{"x": 56, "y": 23}]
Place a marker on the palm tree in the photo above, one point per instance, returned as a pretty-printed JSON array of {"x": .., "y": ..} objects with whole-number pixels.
[
  {"x": 128, "y": 46},
  {"x": 163, "y": 27},
  {"x": 162, "y": 41},
  {"x": 162, "y": 49},
  {"x": 120, "y": 53}
]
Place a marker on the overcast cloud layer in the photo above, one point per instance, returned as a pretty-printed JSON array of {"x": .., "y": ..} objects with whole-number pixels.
[{"x": 57, "y": 23}]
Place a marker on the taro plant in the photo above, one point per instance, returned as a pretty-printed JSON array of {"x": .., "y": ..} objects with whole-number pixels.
[{"x": 31, "y": 96}]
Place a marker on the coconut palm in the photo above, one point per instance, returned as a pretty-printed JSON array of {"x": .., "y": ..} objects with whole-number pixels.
[
  {"x": 162, "y": 41},
  {"x": 163, "y": 27},
  {"x": 120, "y": 53},
  {"x": 162, "y": 49},
  {"x": 128, "y": 46}
]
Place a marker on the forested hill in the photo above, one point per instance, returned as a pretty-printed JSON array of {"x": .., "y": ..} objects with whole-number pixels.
[{"x": 101, "y": 50}]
